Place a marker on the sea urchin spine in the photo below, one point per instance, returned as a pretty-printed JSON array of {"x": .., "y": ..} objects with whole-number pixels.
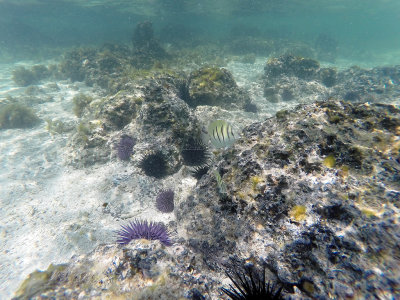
[
  {"x": 249, "y": 284},
  {"x": 138, "y": 229},
  {"x": 195, "y": 153}
]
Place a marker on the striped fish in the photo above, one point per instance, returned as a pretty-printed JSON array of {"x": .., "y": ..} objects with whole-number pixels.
[{"x": 221, "y": 134}]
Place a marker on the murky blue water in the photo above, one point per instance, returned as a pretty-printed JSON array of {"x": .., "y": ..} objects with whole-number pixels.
[{"x": 38, "y": 212}]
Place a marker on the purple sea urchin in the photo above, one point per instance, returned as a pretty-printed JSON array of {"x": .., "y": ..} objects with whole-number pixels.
[
  {"x": 125, "y": 147},
  {"x": 138, "y": 229},
  {"x": 165, "y": 201}
]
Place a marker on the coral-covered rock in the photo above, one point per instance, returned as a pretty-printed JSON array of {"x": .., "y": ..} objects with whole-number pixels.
[
  {"x": 303, "y": 216},
  {"x": 373, "y": 85},
  {"x": 151, "y": 112},
  {"x": 215, "y": 86},
  {"x": 289, "y": 77},
  {"x": 140, "y": 270}
]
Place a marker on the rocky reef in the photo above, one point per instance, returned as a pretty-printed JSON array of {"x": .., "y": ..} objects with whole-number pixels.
[
  {"x": 290, "y": 77},
  {"x": 151, "y": 112},
  {"x": 311, "y": 194},
  {"x": 141, "y": 270}
]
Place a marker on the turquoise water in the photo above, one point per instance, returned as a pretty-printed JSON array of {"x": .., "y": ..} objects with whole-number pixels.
[
  {"x": 50, "y": 210},
  {"x": 363, "y": 30}
]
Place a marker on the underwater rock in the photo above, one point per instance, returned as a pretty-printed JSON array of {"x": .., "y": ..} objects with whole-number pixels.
[
  {"x": 151, "y": 112},
  {"x": 120, "y": 109},
  {"x": 101, "y": 66},
  {"x": 288, "y": 77},
  {"x": 303, "y": 68},
  {"x": 374, "y": 85},
  {"x": 140, "y": 270},
  {"x": 275, "y": 214},
  {"x": 146, "y": 49},
  {"x": 215, "y": 86},
  {"x": 328, "y": 76},
  {"x": 39, "y": 282},
  {"x": 76, "y": 63}
]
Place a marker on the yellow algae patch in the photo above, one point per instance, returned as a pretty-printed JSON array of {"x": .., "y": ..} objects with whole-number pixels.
[
  {"x": 329, "y": 161},
  {"x": 298, "y": 213},
  {"x": 369, "y": 212},
  {"x": 255, "y": 180},
  {"x": 241, "y": 195},
  {"x": 344, "y": 171},
  {"x": 372, "y": 212}
]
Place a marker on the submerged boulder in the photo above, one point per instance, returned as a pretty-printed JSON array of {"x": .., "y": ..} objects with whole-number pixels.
[
  {"x": 150, "y": 111},
  {"x": 136, "y": 271},
  {"x": 290, "y": 77},
  {"x": 292, "y": 184},
  {"x": 217, "y": 87}
]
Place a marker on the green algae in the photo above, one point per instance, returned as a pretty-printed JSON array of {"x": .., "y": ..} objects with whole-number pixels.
[
  {"x": 208, "y": 78},
  {"x": 16, "y": 115},
  {"x": 80, "y": 102},
  {"x": 55, "y": 127}
]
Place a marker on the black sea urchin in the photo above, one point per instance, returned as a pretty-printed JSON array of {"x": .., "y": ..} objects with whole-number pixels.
[
  {"x": 250, "y": 285},
  {"x": 138, "y": 229},
  {"x": 154, "y": 164},
  {"x": 195, "y": 153},
  {"x": 125, "y": 147},
  {"x": 165, "y": 201}
]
